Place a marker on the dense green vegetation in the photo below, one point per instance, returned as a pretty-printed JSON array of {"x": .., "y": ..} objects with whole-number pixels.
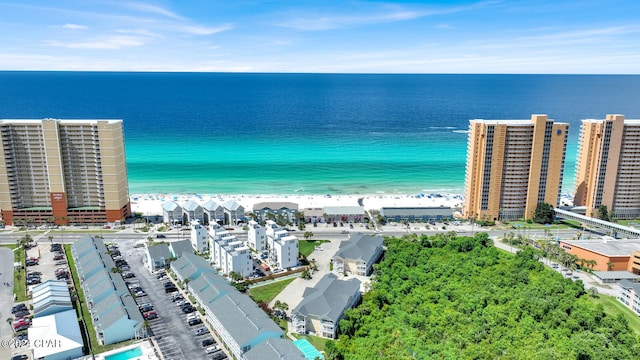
[
  {"x": 454, "y": 297},
  {"x": 614, "y": 307}
]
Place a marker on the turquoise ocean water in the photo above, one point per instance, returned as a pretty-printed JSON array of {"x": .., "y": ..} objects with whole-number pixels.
[{"x": 218, "y": 133}]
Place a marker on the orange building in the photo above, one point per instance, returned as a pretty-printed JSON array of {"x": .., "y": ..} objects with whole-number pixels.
[
  {"x": 608, "y": 167},
  {"x": 609, "y": 254},
  {"x": 63, "y": 171},
  {"x": 512, "y": 166}
]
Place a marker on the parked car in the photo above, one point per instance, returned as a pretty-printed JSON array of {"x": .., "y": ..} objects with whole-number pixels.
[
  {"x": 207, "y": 342},
  {"x": 177, "y": 297},
  {"x": 145, "y": 307},
  {"x": 20, "y": 357},
  {"x": 200, "y": 331},
  {"x": 212, "y": 349},
  {"x": 21, "y": 313},
  {"x": 170, "y": 289},
  {"x": 128, "y": 275},
  {"x": 31, "y": 262},
  {"x": 193, "y": 322},
  {"x": 58, "y": 257},
  {"x": 150, "y": 315},
  {"x": 18, "y": 307},
  {"x": 188, "y": 310},
  {"x": 160, "y": 236}
]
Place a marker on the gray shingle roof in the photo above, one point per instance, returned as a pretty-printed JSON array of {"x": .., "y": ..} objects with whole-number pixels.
[
  {"x": 190, "y": 266},
  {"x": 211, "y": 205},
  {"x": 328, "y": 299},
  {"x": 359, "y": 247},
  {"x": 191, "y": 205},
  {"x": 243, "y": 319},
  {"x": 629, "y": 285},
  {"x": 231, "y": 205},
  {"x": 159, "y": 251},
  {"x": 170, "y": 206},
  {"x": 275, "y": 349},
  {"x": 180, "y": 247}
]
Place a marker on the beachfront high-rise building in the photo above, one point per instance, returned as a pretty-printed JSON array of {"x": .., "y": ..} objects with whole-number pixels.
[
  {"x": 512, "y": 166},
  {"x": 63, "y": 171},
  {"x": 608, "y": 167}
]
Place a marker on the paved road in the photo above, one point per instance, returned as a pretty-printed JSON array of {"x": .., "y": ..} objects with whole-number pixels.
[{"x": 6, "y": 299}]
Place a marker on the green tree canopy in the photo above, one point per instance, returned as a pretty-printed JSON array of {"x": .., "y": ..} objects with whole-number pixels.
[
  {"x": 544, "y": 214},
  {"x": 450, "y": 297}
]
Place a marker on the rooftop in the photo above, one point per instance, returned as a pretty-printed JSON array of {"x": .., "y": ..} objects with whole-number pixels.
[
  {"x": 329, "y": 298},
  {"x": 609, "y": 247},
  {"x": 359, "y": 247}
]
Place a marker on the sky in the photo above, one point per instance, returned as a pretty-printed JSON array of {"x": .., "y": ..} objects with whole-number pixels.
[{"x": 323, "y": 36}]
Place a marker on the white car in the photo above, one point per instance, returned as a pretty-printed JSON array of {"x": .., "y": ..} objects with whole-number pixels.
[{"x": 212, "y": 349}]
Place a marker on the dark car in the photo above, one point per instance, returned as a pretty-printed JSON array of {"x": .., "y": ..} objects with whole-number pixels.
[
  {"x": 20, "y": 357},
  {"x": 168, "y": 284},
  {"x": 31, "y": 262},
  {"x": 219, "y": 356},
  {"x": 21, "y": 313},
  {"x": 188, "y": 310},
  {"x": 58, "y": 257},
  {"x": 22, "y": 336},
  {"x": 207, "y": 342},
  {"x": 170, "y": 289},
  {"x": 128, "y": 275},
  {"x": 18, "y": 307},
  {"x": 193, "y": 322},
  {"x": 160, "y": 236}
]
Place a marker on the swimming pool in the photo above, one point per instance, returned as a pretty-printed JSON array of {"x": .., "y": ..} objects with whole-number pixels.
[
  {"x": 125, "y": 355},
  {"x": 307, "y": 349}
]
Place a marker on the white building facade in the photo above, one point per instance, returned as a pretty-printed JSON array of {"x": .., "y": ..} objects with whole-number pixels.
[
  {"x": 256, "y": 236},
  {"x": 199, "y": 237},
  {"x": 283, "y": 248}
]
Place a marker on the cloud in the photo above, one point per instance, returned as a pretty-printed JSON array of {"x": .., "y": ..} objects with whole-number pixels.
[
  {"x": 204, "y": 30},
  {"x": 105, "y": 43},
  {"x": 152, "y": 9},
  {"x": 383, "y": 14},
  {"x": 74, "y": 27},
  {"x": 339, "y": 21}
]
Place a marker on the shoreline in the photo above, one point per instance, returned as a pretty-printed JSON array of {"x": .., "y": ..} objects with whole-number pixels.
[{"x": 151, "y": 203}]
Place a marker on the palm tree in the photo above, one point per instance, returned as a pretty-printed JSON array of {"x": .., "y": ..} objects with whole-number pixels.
[
  {"x": 307, "y": 235},
  {"x": 610, "y": 265}
]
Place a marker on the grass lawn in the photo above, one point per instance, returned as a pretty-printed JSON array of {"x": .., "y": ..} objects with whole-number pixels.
[
  {"x": 614, "y": 307},
  {"x": 306, "y": 247},
  {"x": 268, "y": 292},
  {"x": 317, "y": 342}
]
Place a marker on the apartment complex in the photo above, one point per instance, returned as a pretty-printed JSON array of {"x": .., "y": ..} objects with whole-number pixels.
[
  {"x": 512, "y": 166},
  {"x": 608, "y": 167},
  {"x": 63, "y": 171},
  {"x": 283, "y": 248},
  {"x": 228, "y": 253}
]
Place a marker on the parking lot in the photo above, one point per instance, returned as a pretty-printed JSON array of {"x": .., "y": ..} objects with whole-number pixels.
[
  {"x": 173, "y": 334},
  {"x": 44, "y": 261}
]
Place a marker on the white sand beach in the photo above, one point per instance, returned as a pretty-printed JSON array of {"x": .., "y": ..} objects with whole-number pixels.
[{"x": 151, "y": 204}]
